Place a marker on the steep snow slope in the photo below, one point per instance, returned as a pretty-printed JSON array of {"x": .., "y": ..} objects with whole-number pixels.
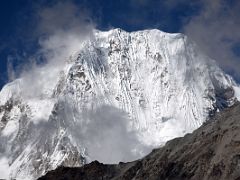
[{"x": 122, "y": 91}]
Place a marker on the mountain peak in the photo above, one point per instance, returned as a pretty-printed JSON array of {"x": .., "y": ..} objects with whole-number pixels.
[{"x": 130, "y": 91}]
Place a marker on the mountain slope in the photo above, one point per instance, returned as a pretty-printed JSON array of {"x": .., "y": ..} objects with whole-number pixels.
[
  {"x": 120, "y": 94},
  {"x": 210, "y": 152}
]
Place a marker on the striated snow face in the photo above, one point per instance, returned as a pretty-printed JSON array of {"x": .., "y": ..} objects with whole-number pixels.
[{"x": 120, "y": 95}]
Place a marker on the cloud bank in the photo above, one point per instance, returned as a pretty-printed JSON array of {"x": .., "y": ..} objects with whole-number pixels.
[{"x": 105, "y": 133}]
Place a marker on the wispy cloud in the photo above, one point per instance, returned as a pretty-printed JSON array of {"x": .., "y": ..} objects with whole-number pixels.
[
  {"x": 64, "y": 16},
  {"x": 62, "y": 28},
  {"x": 216, "y": 30},
  {"x": 10, "y": 69}
]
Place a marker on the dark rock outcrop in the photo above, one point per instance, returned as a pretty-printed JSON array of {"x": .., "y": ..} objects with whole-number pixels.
[{"x": 211, "y": 152}]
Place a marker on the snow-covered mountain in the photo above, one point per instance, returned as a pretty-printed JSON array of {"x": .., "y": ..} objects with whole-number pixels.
[{"x": 121, "y": 91}]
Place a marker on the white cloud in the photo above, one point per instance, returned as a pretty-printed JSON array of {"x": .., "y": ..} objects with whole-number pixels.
[
  {"x": 61, "y": 30},
  {"x": 10, "y": 69},
  {"x": 105, "y": 133},
  {"x": 216, "y": 30}
]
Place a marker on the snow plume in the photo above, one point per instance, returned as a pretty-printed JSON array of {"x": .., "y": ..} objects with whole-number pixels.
[{"x": 61, "y": 30}]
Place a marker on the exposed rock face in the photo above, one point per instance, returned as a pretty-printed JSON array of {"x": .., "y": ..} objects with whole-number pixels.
[{"x": 211, "y": 152}]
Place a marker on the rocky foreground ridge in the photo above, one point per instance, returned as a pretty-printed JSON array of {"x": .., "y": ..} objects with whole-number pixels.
[{"x": 210, "y": 152}]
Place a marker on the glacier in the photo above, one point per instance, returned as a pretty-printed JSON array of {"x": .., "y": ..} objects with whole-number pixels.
[{"x": 121, "y": 91}]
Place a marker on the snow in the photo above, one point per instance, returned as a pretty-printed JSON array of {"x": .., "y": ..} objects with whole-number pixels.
[
  {"x": 8, "y": 91},
  {"x": 4, "y": 168},
  {"x": 1, "y": 115},
  {"x": 237, "y": 92},
  {"x": 161, "y": 85},
  {"x": 11, "y": 127},
  {"x": 40, "y": 109}
]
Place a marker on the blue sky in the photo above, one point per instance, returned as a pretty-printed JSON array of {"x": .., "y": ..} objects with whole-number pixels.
[{"x": 214, "y": 25}]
